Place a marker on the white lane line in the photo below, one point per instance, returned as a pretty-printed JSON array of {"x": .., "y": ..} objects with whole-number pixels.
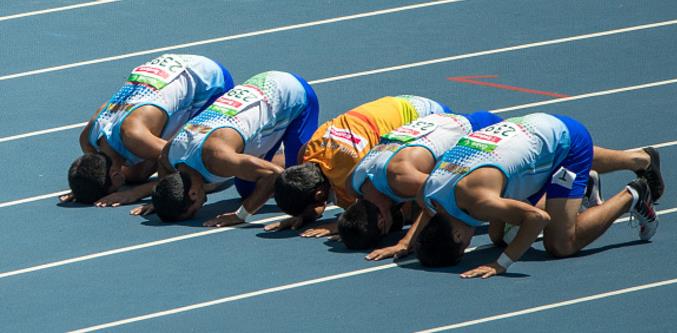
[
  {"x": 593, "y": 94},
  {"x": 506, "y": 109},
  {"x": 56, "y": 9},
  {"x": 256, "y": 293},
  {"x": 31, "y": 199},
  {"x": 140, "y": 246},
  {"x": 260, "y": 292},
  {"x": 228, "y": 38},
  {"x": 41, "y": 132},
  {"x": 393, "y": 68},
  {"x": 56, "y": 194},
  {"x": 501, "y": 50},
  {"x": 551, "y": 306}
]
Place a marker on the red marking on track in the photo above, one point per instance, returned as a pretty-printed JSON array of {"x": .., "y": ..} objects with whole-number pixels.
[{"x": 470, "y": 79}]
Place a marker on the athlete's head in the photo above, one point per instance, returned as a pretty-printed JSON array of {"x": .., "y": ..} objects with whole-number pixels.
[
  {"x": 362, "y": 225},
  {"x": 300, "y": 189},
  {"x": 442, "y": 241},
  {"x": 91, "y": 177},
  {"x": 177, "y": 197}
]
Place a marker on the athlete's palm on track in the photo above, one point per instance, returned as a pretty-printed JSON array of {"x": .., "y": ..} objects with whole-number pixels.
[
  {"x": 67, "y": 197},
  {"x": 321, "y": 231},
  {"x": 116, "y": 199},
  {"x": 224, "y": 220},
  {"x": 142, "y": 210},
  {"x": 484, "y": 271},
  {"x": 292, "y": 222},
  {"x": 395, "y": 251}
]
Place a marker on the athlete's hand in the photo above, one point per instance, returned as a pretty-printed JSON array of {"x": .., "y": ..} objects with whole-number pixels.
[
  {"x": 224, "y": 220},
  {"x": 321, "y": 231},
  {"x": 395, "y": 251},
  {"x": 116, "y": 199},
  {"x": 67, "y": 197},
  {"x": 485, "y": 271},
  {"x": 142, "y": 210},
  {"x": 292, "y": 222}
]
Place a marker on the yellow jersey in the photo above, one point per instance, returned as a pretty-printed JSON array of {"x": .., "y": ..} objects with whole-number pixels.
[{"x": 339, "y": 144}]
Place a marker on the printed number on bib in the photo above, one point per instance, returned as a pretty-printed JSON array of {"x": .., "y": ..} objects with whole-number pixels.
[
  {"x": 411, "y": 132},
  {"x": 488, "y": 138},
  {"x": 158, "y": 72},
  {"x": 237, "y": 99},
  {"x": 564, "y": 178}
]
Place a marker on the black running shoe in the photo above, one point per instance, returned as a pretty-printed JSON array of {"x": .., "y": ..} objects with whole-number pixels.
[
  {"x": 643, "y": 210},
  {"x": 653, "y": 174}
]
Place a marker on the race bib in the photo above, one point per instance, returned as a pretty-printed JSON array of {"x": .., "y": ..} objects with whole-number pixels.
[
  {"x": 564, "y": 178},
  {"x": 411, "y": 131},
  {"x": 488, "y": 138},
  {"x": 158, "y": 72},
  {"x": 237, "y": 99}
]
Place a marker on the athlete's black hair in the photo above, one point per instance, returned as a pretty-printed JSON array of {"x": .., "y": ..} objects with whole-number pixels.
[
  {"x": 170, "y": 196},
  {"x": 358, "y": 225},
  {"x": 435, "y": 245},
  {"x": 295, "y": 188},
  {"x": 89, "y": 177}
]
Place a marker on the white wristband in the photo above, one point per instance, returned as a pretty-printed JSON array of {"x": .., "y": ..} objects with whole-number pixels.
[
  {"x": 504, "y": 261},
  {"x": 242, "y": 213}
]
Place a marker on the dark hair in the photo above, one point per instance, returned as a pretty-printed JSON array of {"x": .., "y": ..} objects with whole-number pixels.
[
  {"x": 358, "y": 225},
  {"x": 170, "y": 196},
  {"x": 435, "y": 245},
  {"x": 295, "y": 188},
  {"x": 88, "y": 177}
]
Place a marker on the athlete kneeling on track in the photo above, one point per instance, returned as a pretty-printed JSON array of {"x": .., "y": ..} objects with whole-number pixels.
[
  {"x": 124, "y": 138},
  {"x": 391, "y": 175},
  {"x": 490, "y": 174},
  {"x": 237, "y": 136},
  {"x": 336, "y": 147}
]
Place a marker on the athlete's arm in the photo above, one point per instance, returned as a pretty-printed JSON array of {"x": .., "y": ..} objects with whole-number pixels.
[
  {"x": 249, "y": 168},
  {"x": 163, "y": 168},
  {"x": 530, "y": 219},
  {"x": 141, "y": 132},
  {"x": 402, "y": 248},
  {"x": 86, "y": 147}
]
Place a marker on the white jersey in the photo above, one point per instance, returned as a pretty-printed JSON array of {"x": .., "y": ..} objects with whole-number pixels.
[
  {"x": 260, "y": 110},
  {"x": 525, "y": 149},
  {"x": 179, "y": 85},
  {"x": 436, "y": 133}
]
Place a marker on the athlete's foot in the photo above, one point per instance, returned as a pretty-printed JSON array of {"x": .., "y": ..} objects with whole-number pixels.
[
  {"x": 593, "y": 192},
  {"x": 653, "y": 173},
  {"x": 643, "y": 209}
]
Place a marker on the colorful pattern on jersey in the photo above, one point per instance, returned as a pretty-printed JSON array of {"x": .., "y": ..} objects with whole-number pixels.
[
  {"x": 339, "y": 144},
  {"x": 260, "y": 110},
  {"x": 525, "y": 149},
  {"x": 179, "y": 85},
  {"x": 437, "y": 133}
]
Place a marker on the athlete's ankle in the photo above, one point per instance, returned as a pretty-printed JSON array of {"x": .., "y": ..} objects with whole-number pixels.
[{"x": 634, "y": 194}]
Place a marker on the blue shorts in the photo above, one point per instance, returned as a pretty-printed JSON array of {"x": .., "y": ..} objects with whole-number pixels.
[
  {"x": 482, "y": 119},
  {"x": 578, "y": 161},
  {"x": 299, "y": 131}
]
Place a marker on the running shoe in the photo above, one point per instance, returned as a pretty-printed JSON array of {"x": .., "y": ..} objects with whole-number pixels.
[
  {"x": 643, "y": 210},
  {"x": 653, "y": 174}
]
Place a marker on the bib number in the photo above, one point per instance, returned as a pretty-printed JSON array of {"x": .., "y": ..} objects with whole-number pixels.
[
  {"x": 411, "y": 132},
  {"x": 237, "y": 99},
  {"x": 158, "y": 72},
  {"x": 488, "y": 138}
]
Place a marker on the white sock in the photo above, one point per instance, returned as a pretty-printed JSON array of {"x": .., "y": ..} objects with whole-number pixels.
[{"x": 635, "y": 196}]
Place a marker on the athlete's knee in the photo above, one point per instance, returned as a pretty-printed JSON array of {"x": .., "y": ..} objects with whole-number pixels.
[{"x": 561, "y": 248}]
